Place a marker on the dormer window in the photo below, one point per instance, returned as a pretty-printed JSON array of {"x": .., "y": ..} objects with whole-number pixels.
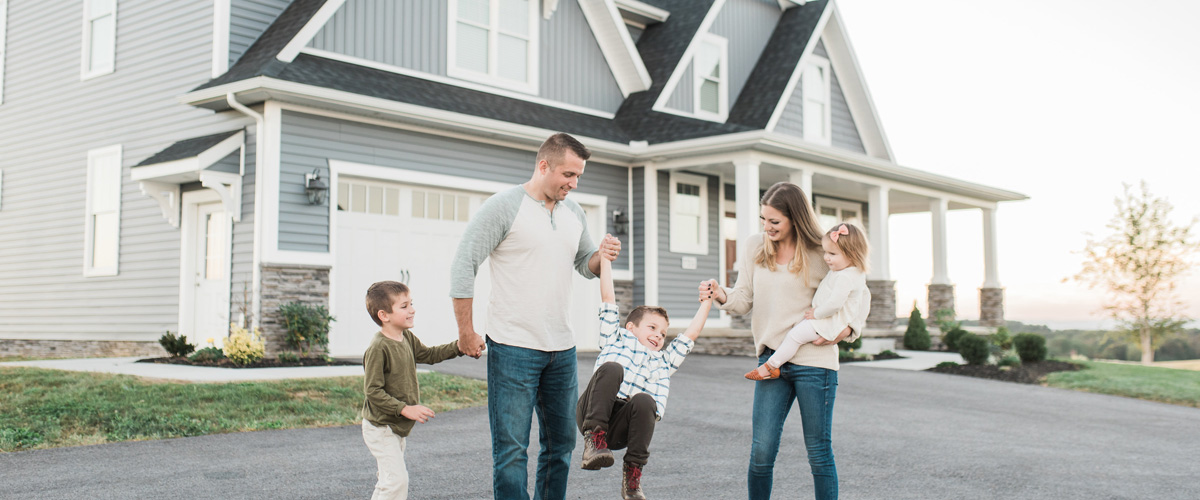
[
  {"x": 494, "y": 42},
  {"x": 815, "y": 81},
  {"x": 711, "y": 78}
]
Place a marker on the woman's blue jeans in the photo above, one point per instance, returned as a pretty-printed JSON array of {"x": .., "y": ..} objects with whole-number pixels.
[
  {"x": 521, "y": 380},
  {"x": 813, "y": 389}
]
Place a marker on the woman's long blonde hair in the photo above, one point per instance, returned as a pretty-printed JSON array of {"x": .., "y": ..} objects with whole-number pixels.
[{"x": 791, "y": 201}]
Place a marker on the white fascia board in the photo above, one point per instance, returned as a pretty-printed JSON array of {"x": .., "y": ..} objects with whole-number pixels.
[
  {"x": 190, "y": 165},
  {"x": 310, "y": 29},
  {"x": 795, "y": 78},
  {"x": 641, "y": 12},
  {"x": 686, "y": 59},
  {"x": 854, "y": 87},
  {"x": 616, "y": 45}
]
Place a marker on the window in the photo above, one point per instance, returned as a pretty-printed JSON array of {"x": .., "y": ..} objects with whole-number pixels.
[
  {"x": 3, "y": 43},
  {"x": 103, "y": 225},
  {"x": 99, "y": 38},
  {"x": 494, "y": 42},
  {"x": 816, "y": 82},
  {"x": 689, "y": 214},
  {"x": 368, "y": 198},
  {"x": 709, "y": 68},
  {"x": 831, "y": 211}
]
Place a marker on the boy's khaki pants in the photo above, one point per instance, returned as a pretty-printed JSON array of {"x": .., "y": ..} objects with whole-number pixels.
[{"x": 388, "y": 448}]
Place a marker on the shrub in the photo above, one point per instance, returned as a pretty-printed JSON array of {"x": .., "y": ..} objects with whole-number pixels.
[
  {"x": 1009, "y": 361},
  {"x": 946, "y": 364},
  {"x": 176, "y": 346},
  {"x": 307, "y": 326},
  {"x": 208, "y": 354},
  {"x": 916, "y": 337},
  {"x": 1001, "y": 343},
  {"x": 974, "y": 349},
  {"x": 851, "y": 346},
  {"x": 1031, "y": 347},
  {"x": 243, "y": 347},
  {"x": 289, "y": 357},
  {"x": 944, "y": 319},
  {"x": 950, "y": 339}
]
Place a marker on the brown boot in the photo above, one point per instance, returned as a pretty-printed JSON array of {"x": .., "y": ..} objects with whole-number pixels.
[
  {"x": 596, "y": 454},
  {"x": 631, "y": 482}
]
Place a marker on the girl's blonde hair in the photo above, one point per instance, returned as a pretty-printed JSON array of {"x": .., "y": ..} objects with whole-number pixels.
[
  {"x": 853, "y": 244},
  {"x": 791, "y": 201}
]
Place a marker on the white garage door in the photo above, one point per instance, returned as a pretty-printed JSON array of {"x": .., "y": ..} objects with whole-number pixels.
[{"x": 408, "y": 233}]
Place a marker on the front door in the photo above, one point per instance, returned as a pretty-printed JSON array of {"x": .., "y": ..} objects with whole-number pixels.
[{"x": 206, "y": 274}]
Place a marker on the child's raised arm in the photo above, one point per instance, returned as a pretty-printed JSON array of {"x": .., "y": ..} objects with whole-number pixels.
[
  {"x": 697, "y": 324},
  {"x": 607, "y": 292}
]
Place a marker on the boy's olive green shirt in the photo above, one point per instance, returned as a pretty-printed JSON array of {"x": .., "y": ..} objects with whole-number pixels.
[{"x": 391, "y": 377}]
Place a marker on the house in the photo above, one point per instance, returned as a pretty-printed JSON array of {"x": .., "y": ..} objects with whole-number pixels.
[{"x": 171, "y": 165}]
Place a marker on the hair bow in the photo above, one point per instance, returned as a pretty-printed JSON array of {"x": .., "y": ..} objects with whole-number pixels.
[{"x": 834, "y": 235}]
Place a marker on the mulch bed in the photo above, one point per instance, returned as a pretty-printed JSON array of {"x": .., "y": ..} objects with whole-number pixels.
[
  {"x": 263, "y": 363},
  {"x": 872, "y": 357},
  {"x": 1025, "y": 373}
]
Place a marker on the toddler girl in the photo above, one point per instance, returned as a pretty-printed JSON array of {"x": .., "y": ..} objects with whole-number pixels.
[{"x": 839, "y": 297}]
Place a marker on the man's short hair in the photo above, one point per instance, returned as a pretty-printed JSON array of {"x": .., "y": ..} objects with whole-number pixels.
[
  {"x": 557, "y": 146},
  {"x": 636, "y": 315},
  {"x": 381, "y": 296}
]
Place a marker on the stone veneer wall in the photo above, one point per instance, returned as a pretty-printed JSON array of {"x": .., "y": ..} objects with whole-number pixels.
[
  {"x": 940, "y": 297},
  {"x": 289, "y": 283},
  {"x": 624, "y": 291},
  {"x": 79, "y": 348},
  {"x": 991, "y": 306},
  {"x": 883, "y": 304}
]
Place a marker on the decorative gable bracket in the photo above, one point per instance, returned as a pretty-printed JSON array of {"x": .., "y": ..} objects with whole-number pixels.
[{"x": 229, "y": 187}]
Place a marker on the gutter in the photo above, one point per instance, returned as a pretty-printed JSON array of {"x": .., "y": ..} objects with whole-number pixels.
[{"x": 256, "y": 259}]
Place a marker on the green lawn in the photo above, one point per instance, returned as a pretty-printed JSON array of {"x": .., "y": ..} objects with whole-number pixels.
[
  {"x": 1166, "y": 385},
  {"x": 51, "y": 408}
]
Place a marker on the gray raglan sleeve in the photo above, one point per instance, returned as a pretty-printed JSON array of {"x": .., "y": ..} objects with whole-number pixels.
[
  {"x": 586, "y": 248},
  {"x": 484, "y": 233}
]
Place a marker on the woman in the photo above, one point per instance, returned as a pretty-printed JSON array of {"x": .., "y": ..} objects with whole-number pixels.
[{"x": 777, "y": 277}]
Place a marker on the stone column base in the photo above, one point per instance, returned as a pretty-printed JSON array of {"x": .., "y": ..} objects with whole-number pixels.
[
  {"x": 289, "y": 283},
  {"x": 883, "y": 304},
  {"x": 941, "y": 297},
  {"x": 991, "y": 306}
]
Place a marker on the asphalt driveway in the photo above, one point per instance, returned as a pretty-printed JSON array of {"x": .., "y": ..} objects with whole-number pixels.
[{"x": 897, "y": 435}]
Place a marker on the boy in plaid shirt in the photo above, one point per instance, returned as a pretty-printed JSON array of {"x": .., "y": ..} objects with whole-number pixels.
[{"x": 628, "y": 390}]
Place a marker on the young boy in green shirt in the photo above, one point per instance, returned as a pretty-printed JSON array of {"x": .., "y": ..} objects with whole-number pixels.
[{"x": 393, "y": 398}]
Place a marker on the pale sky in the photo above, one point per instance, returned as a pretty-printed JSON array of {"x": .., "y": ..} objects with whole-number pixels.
[{"x": 1061, "y": 100}]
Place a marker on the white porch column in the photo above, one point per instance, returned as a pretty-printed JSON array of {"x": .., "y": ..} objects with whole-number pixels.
[
  {"x": 650, "y": 202},
  {"x": 941, "y": 271},
  {"x": 746, "y": 193},
  {"x": 803, "y": 178},
  {"x": 878, "y": 210},
  {"x": 991, "y": 276}
]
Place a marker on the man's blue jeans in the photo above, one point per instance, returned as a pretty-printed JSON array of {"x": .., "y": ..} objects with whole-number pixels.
[
  {"x": 520, "y": 380},
  {"x": 813, "y": 389}
]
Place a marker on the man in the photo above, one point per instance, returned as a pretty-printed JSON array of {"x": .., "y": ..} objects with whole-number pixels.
[{"x": 533, "y": 236}]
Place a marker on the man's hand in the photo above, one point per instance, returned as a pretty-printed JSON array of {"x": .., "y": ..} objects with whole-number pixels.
[
  {"x": 417, "y": 413},
  {"x": 610, "y": 248},
  {"x": 841, "y": 336},
  {"x": 470, "y": 344}
]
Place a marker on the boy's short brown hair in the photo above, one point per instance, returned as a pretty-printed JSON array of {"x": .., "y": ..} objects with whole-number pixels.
[
  {"x": 380, "y": 297},
  {"x": 635, "y": 316}
]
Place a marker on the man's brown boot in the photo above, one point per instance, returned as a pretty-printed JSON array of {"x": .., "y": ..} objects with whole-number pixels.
[
  {"x": 596, "y": 454},
  {"x": 631, "y": 483}
]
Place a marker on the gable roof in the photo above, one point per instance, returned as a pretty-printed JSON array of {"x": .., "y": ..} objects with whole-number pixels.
[{"x": 768, "y": 81}]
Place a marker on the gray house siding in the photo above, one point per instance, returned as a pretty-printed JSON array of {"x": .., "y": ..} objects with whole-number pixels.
[
  {"x": 413, "y": 34},
  {"x": 309, "y": 142},
  {"x": 683, "y": 97},
  {"x": 248, "y": 19},
  {"x": 677, "y": 286},
  {"x": 49, "y": 121},
  {"x": 747, "y": 25},
  {"x": 242, "y": 270},
  {"x": 845, "y": 132}
]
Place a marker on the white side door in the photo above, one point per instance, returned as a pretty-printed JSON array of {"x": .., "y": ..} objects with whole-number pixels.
[{"x": 206, "y": 272}]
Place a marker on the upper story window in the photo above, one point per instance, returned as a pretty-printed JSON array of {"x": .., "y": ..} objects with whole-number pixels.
[
  {"x": 816, "y": 81},
  {"x": 99, "y": 38},
  {"x": 711, "y": 73},
  {"x": 494, "y": 42},
  {"x": 103, "y": 224},
  {"x": 689, "y": 214},
  {"x": 3, "y": 42}
]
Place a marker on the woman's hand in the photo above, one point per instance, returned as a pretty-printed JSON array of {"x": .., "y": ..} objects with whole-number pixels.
[
  {"x": 711, "y": 290},
  {"x": 841, "y": 336}
]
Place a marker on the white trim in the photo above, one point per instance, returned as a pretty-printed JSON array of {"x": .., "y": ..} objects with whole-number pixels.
[
  {"x": 854, "y": 88},
  {"x": 699, "y": 247},
  {"x": 187, "y": 259},
  {"x": 310, "y": 29},
  {"x": 93, "y": 156},
  {"x": 650, "y": 202},
  {"x": 815, "y": 61},
  {"x": 85, "y": 70},
  {"x": 220, "y": 49},
  {"x": 3, "y": 43},
  {"x": 795, "y": 78},
  {"x": 677, "y": 73},
  {"x": 190, "y": 166},
  {"x": 616, "y": 45},
  {"x": 722, "y": 114},
  {"x": 229, "y": 187},
  {"x": 880, "y": 214},
  {"x": 167, "y": 196},
  {"x": 453, "y": 81},
  {"x": 641, "y": 13},
  {"x": 492, "y": 78}
]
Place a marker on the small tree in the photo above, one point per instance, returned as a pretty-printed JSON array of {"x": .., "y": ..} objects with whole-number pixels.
[
  {"x": 1138, "y": 266},
  {"x": 916, "y": 337}
]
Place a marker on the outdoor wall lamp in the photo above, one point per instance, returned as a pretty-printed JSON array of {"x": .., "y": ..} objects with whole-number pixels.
[
  {"x": 620, "y": 222},
  {"x": 315, "y": 188}
]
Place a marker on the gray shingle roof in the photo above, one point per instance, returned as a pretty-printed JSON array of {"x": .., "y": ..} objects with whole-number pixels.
[{"x": 187, "y": 148}]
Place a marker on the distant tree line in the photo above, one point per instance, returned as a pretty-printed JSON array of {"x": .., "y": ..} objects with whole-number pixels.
[{"x": 1103, "y": 344}]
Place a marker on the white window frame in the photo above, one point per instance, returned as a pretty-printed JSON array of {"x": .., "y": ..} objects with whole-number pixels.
[
  {"x": 86, "y": 71},
  {"x": 93, "y": 172},
  {"x": 3, "y": 43},
  {"x": 492, "y": 77},
  {"x": 809, "y": 135},
  {"x": 722, "y": 47},
  {"x": 677, "y": 244},
  {"x": 841, "y": 205}
]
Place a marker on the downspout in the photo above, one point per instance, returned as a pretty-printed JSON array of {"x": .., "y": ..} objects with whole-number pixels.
[{"x": 256, "y": 259}]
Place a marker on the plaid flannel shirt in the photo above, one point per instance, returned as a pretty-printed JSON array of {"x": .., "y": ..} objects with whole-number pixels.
[{"x": 645, "y": 370}]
